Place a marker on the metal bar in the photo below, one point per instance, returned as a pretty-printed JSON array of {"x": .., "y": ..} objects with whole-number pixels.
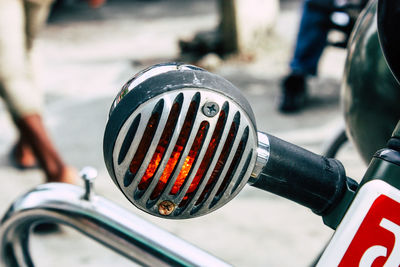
[
  {"x": 178, "y": 128},
  {"x": 101, "y": 220}
]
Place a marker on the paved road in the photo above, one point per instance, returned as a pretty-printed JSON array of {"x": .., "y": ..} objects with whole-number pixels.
[{"x": 88, "y": 55}]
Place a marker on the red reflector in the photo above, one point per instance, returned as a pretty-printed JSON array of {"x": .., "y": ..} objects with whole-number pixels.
[
  {"x": 207, "y": 157},
  {"x": 145, "y": 142},
  {"x": 187, "y": 165},
  {"x": 233, "y": 166},
  {"x": 220, "y": 164},
  {"x": 177, "y": 151},
  {"x": 161, "y": 147}
]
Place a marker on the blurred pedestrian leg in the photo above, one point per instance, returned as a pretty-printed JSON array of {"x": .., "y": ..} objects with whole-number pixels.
[
  {"x": 20, "y": 21},
  {"x": 311, "y": 41}
]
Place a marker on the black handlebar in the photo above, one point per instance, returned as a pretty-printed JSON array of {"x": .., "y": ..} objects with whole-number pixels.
[{"x": 309, "y": 179}]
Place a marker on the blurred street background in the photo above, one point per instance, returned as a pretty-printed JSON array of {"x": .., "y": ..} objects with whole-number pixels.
[{"x": 87, "y": 55}]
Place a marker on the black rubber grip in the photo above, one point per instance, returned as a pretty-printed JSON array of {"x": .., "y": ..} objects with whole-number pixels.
[{"x": 309, "y": 179}]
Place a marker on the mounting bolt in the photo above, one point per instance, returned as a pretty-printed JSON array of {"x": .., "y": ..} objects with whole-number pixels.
[
  {"x": 88, "y": 175},
  {"x": 166, "y": 207},
  {"x": 210, "y": 109}
]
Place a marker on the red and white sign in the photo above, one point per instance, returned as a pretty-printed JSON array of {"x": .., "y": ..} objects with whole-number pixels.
[{"x": 369, "y": 234}]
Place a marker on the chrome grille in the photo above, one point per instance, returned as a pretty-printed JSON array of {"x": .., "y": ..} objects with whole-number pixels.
[{"x": 173, "y": 154}]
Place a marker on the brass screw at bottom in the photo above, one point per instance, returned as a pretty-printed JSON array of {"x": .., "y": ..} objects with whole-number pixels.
[{"x": 166, "y": 207}]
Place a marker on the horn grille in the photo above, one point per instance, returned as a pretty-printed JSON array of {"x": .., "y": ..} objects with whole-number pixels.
[{"x": 170, "y": 151}]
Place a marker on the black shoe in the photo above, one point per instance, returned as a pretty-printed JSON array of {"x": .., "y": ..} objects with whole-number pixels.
[{"x": 294, "y": 93}]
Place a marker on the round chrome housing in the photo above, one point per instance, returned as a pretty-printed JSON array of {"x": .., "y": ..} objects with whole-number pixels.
[{"x": 180, "y": 142}]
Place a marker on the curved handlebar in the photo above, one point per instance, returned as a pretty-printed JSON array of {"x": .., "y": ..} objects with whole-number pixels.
[{"x": 100, "y": 219}]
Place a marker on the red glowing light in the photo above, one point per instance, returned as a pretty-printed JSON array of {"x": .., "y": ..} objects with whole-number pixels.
[
  {"x": 176, "y": 153},
  {"x": 187, "y": 165},
  {"x": 207, "y": 157},
  {"x": 220, "y": 164},
  {"x": 161, "y": 147},
  {"x": 144, "y": 143}
]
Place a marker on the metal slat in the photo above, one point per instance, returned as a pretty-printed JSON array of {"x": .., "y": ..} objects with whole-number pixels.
[
  {"x": 178, "y": 128},
  {"x": 149, "y": 154},
  {"x": 248, "y": 149},
  {"x": 166, "y": 194},
  {"x": 212, "y": 165},
  {"x": 120, "y": 169},
  {"x": 235, "y": 147},
  {"x": 195, "y": 168}
]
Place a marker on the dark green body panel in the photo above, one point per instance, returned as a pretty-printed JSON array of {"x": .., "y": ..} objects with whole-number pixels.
[{"x": 370, "y": 93}]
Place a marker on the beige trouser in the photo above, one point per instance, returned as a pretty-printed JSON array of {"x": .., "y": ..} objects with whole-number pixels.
[{"x": 20, "y": 21}]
